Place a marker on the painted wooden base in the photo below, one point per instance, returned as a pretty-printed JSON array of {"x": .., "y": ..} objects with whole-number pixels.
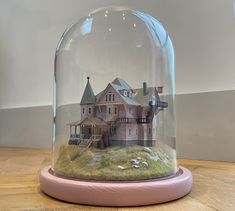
[{"x": 117, "y": 193}]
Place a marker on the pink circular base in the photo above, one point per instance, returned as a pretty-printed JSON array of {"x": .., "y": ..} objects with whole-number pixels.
[{"x": 117, "y": 193}]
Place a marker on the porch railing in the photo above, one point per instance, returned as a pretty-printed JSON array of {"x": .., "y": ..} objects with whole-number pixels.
[{"x": 85, "y": 136}]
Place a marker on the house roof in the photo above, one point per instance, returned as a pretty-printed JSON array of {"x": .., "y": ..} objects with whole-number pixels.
[
  {"x": 88, "y": 95},
  {"x": 137, "y": 98},
  {"x": 128, "y": 100},
  {"x": 98, "y": 96},
  {"x": 120, "y": 82},
  {"x": 143, "y": 100},
  {"x": 93, "y": 121}
]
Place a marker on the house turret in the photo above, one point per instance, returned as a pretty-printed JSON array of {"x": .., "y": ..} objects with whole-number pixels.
[{"x": 88, "y": 101}]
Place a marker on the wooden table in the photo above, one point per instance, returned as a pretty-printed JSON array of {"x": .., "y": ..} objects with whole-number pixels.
[{"x": 213, "y": 186}]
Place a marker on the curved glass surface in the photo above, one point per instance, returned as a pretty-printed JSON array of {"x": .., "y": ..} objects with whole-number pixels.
[{"x": 114, "y": 82}]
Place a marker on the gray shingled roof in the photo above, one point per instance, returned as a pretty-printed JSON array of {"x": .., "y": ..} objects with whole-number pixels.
[
  {"x": 88, "y": 95},
  {"x": 98, "y": 96},
  {"x": 93, "y": 121},
  {"x": 128, "y": 100},
  {"x": 89, "y": 121},
  {"x": 137, "y": 98},
  {"x": 122, "y": 83},
  {"x": 141, "y": 99}
]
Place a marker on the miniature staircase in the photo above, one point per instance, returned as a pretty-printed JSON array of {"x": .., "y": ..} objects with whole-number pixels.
[{"x": 85, "y": 144}]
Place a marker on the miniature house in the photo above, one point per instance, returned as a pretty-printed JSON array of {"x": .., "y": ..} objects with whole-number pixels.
[{"x": 117, "y": 116}]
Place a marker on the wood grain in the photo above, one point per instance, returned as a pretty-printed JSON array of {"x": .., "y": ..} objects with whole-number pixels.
[{"x": 213, "y": 187}]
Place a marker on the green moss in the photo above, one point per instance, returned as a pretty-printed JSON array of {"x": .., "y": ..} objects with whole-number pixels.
[{"x": 116, "y": 163}]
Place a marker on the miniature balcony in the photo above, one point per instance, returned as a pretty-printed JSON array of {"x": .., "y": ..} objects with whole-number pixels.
[
  {"x": 127, "y": 120},
  {"x": 143, "y": 120}
]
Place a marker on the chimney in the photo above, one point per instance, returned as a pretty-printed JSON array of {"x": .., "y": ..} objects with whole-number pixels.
[
  {"x": 145, "y": 92},
  {"x": 160, "y": 89}
]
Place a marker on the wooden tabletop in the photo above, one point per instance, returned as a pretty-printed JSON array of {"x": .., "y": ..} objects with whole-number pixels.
[{"x": 213, "y": 185}]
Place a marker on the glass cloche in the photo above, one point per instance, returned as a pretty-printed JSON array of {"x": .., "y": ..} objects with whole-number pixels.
[{"x": 114, "y": 103}]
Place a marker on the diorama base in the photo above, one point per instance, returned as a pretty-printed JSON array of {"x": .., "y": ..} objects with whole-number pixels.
[{"x": 101, "y": 193}]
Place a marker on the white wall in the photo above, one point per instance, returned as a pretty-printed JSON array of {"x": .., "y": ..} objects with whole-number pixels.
[{"x": 203, "y": 33}]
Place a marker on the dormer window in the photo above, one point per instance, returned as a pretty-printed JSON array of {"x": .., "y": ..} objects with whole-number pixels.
[{"x": 125, "y": 92}]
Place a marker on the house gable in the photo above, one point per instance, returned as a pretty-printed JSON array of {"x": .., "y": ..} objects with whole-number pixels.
[{"x": 110, "y": 96}]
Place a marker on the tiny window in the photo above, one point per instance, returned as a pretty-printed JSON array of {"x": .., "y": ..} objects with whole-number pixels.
[
  {"x": 115, "y": 110},
  {"x": 149, "y": 130},
  {"x": 110, "y": 97},
  {"x": 106, "y": 98},
  {"x": 129, "y": 131},
  {"x": 125, "y": 93},
  {"x": 83, "y": 110},
  {"x": 89, "y": 110},
  {"x": 109, "y": 110},
  {"x": 113, "y": 97}
]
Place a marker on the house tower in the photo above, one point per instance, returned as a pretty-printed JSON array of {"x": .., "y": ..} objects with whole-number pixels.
[{"x": 88, "y": 101}]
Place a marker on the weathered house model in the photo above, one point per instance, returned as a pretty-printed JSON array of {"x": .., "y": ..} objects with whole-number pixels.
[{"x": 117, "y": 116}]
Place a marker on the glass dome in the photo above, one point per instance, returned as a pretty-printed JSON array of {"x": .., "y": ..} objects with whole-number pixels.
[{"x": 114, "y": 103}]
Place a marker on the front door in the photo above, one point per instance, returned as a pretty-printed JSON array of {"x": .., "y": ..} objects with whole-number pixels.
[{"x": 89, "y": 131}]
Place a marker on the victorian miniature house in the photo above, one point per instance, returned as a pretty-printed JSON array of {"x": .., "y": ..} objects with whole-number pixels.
[{"x": 117, "y": 116}]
